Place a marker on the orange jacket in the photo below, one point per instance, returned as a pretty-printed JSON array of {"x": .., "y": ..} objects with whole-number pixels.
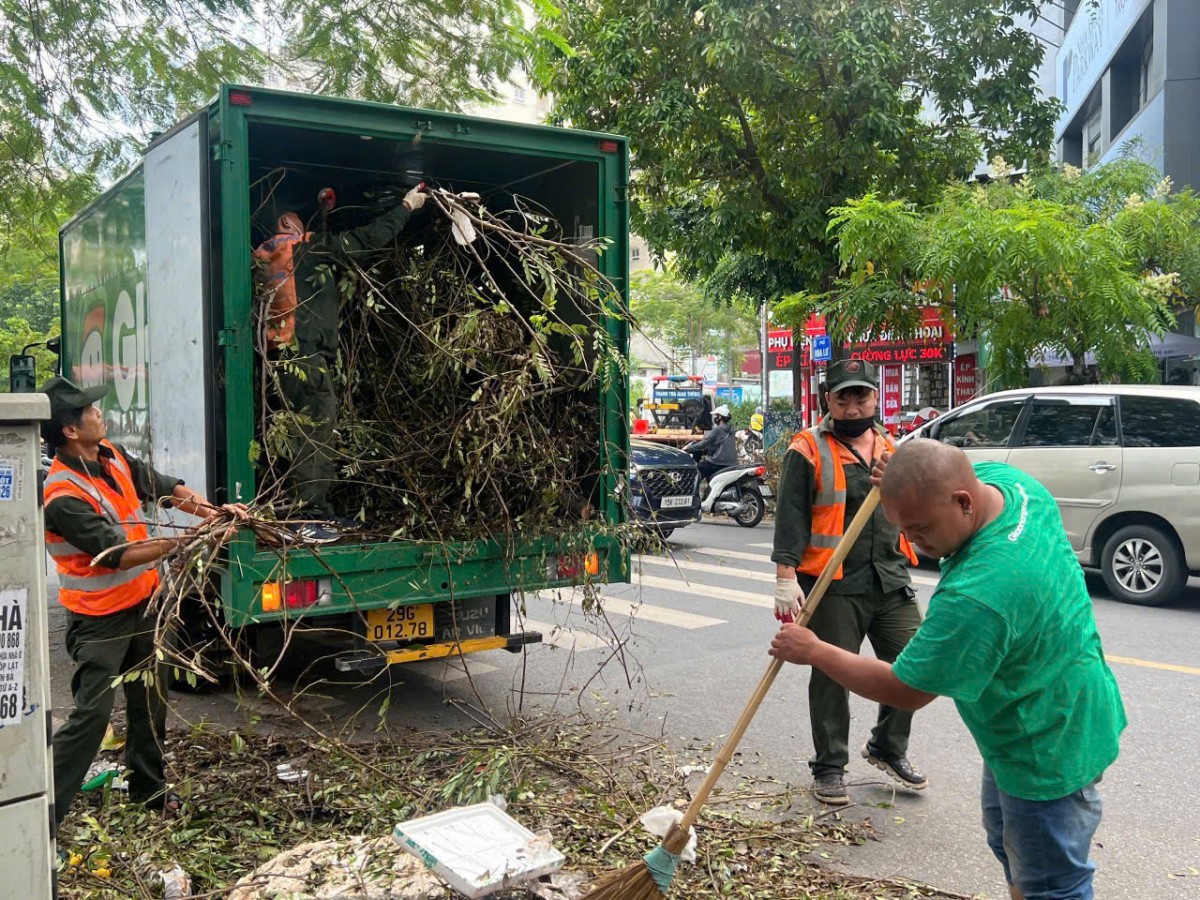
[
  {"x": 829, "y": 456},
  {"x": 276, "y": 274},
  {"x": 99, "y": 590}
]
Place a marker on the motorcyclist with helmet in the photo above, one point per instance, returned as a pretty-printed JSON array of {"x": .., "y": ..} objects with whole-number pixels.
[{"x": 717, "y": 449}]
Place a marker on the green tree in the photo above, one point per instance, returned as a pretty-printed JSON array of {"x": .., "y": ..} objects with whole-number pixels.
[
  {"x": 749, "y": 119},
  {"x": 85, "y": 82},
  {"x": 15, "y": 335},
  {"x": 1070, "y": 263},
  {"x": 681, "y": 316}
]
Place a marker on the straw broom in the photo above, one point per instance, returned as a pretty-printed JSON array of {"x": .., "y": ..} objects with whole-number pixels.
[{"x": 650, "y": 878}]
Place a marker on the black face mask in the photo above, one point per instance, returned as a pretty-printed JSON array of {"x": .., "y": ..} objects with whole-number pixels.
[{"x": 852, "y": 428}]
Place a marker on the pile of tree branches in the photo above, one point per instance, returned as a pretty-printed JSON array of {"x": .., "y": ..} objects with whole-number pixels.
[{"x": 473, "y": 358}]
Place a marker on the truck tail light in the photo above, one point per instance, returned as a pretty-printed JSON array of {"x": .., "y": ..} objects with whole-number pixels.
[
  {"x": 300, "y": 594},
  {"x": 572, "y": 565},
  {"x": 297, "y": 594},
  {"x": 240, "y": 98},
  {"x": 609, "y": 146}
]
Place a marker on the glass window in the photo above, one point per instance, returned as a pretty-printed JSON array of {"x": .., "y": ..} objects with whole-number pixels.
[
  {"x": 986, "y": 425},
  {"x": 1070, "y": 423},
  {"x": 1160, "y": 422}
]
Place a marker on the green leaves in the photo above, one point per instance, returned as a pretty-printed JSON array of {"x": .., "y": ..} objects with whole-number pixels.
[{"x": 1062, "y": 263}]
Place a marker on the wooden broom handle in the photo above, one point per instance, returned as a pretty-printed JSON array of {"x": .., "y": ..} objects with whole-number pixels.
[{"x": 853, "y": 530}]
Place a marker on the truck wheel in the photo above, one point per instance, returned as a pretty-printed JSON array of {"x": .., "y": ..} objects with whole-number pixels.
[
  {"x": 1142, "y": 564},
  {"x": 753, "y": 507}
]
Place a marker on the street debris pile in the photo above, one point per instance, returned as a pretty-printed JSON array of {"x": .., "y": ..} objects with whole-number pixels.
[
  {"x": 472, "y": 358},
  {"x": 331, "y": 825}
]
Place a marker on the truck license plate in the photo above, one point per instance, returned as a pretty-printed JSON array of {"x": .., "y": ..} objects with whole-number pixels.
[
  {"x": 404, "y": 623},
  {"x": 675, "y": 502}
]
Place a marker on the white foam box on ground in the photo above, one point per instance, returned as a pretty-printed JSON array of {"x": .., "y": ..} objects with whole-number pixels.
[{"x": 478, "y": 849}]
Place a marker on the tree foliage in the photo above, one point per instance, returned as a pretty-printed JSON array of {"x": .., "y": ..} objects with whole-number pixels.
[
  {"x": 83, "y": 83},
  {"x": 1072, "y": 264},
  {"x": 749, "y": 119},
  {"x": 681, "y": 316}
]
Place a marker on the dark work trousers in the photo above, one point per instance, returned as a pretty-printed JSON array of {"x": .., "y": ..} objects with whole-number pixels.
[
  {"x": 309, "y": 391},
  {"x": 888, "y": 621},
  {"x": 104, "y": 647}
]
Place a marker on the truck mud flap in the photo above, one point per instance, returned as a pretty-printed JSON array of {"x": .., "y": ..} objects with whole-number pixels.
[{"x": 365, "y": 660}]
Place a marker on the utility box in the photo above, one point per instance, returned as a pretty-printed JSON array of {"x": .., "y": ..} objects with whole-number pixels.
[{"x": 26, "y": 771}]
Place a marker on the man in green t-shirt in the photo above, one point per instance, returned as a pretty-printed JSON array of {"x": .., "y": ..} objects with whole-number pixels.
[{"x": 1011, "y": 638}]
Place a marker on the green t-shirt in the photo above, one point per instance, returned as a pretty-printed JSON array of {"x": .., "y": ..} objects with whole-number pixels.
[{"x": 1010, "y": 636}]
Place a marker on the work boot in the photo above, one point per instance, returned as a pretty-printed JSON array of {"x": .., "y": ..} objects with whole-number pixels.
[
  {"x": 897, "y": 767},
  {"x": 830, "y": 788}
]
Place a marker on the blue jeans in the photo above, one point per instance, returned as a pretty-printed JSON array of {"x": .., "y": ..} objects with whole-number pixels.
[{"x": 1043, "y": 844}]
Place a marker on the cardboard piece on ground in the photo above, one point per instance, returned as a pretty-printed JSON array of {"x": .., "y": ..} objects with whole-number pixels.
[{"x": 478, "y": 849}]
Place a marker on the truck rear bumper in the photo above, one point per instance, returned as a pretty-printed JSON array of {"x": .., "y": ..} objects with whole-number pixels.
[{"x": 360, "y": 661}]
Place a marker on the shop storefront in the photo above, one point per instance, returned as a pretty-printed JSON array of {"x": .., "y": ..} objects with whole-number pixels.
[{"x": 916, "y": 374}]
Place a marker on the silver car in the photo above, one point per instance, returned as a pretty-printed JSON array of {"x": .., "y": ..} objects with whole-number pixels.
[{"x": 1123, "y": 462}]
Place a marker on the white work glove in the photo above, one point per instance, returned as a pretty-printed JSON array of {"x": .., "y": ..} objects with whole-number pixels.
[
  {"x": 789, "y": 598},
  {"x": 415, "y": 198}
]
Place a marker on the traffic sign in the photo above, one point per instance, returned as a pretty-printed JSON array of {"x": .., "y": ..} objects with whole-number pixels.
[{"x": 822, "y": 348}]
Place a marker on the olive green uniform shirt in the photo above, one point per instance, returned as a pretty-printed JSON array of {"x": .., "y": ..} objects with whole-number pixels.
[{"x": 77, "y": 522}]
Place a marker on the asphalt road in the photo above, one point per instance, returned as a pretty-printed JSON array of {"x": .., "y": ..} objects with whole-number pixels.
[{"x": 692, "y": 633}]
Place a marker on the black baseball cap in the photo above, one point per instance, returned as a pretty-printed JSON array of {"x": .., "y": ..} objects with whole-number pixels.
[
  {"x": 846, "y": 373},
  {"x": 65, "y": 395}
]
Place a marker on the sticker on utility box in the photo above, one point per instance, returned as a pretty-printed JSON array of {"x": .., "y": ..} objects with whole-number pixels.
[
  {"x": 12, "y": 655},
  {"x": 12, "y": 480}
]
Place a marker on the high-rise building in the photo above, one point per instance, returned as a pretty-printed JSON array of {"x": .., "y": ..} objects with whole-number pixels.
[{"x": 1128, "y": 73}]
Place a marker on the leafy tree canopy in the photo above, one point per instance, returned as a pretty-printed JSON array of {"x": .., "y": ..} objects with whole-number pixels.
[
  {"x": 749, "y": 119},
  {"x": 678, "y": 314},
  {"x": 83, "y": 83},
  {"x": 1075, "y": 264}
]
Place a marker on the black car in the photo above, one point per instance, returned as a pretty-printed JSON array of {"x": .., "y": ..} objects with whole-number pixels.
[{"x": 664, "y": 487}]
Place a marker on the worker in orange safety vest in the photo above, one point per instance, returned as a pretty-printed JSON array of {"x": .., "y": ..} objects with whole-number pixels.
[
  {"x": 100, "y": 542},
  {"x": 825, "y": 478}
]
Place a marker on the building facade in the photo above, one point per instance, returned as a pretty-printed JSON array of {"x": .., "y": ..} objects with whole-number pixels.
[{"x": 1128, "y": 73}]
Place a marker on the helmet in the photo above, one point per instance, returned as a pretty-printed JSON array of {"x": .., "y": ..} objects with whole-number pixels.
[
  {"x": 722, "y": 411},
  {"x": 758, "y": 409}
]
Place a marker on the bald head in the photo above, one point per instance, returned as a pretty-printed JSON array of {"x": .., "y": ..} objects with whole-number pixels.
[
  {"x": 923, "y": 466},
  {"x": 931, "y": 492}
]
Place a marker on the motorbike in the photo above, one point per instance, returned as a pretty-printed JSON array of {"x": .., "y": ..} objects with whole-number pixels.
[{"x": 737, "y": 491}]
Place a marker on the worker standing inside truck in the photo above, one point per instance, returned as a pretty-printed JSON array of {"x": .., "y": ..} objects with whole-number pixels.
[
  {"x": 824, "y": 479},
  {"x": 300, "y": 295},
  {"x": 94, "y": 492},
  {"x": 1011, "y": 637}
]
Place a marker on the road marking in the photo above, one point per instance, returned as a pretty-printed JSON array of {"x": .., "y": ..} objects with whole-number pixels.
[
  {"x": 647, "y": 612},
  {"x": 707, "y": 590},
  {"x": 768, "y": 546},
  {"x": 1148, "y": 664},
  {"x": 686, "y": 563},
  {"x": 565, "y": 637}
]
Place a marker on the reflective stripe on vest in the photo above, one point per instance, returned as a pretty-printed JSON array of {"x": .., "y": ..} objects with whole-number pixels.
[{"x": 93, "y": 583}]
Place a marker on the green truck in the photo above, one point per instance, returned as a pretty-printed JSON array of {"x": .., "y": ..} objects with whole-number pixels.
[{"x": 157, "y": 298}]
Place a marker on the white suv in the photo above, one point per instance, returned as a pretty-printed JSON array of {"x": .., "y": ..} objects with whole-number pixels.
[{"x": 1123, "y": 462}]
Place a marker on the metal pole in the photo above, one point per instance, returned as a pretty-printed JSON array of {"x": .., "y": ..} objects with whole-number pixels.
[{"x": 765, "y": 375}]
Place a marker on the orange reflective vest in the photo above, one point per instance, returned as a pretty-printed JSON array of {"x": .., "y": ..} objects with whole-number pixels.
[
  {"x": 829, "y": 457},
  {"x": 276, "y": 264},
  {"x": 98, "y": 590}
]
